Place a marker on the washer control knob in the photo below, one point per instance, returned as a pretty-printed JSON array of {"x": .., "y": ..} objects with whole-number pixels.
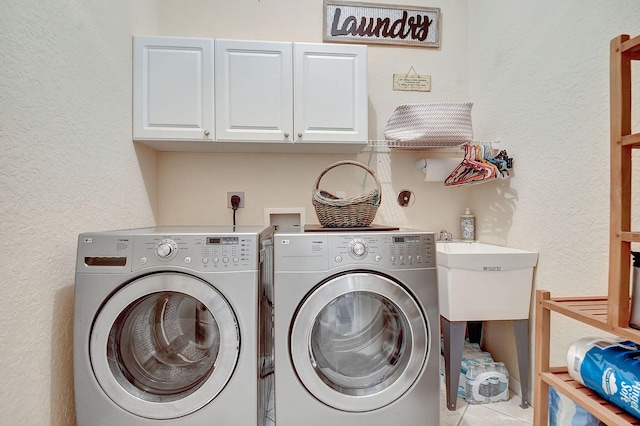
[
  {"x": 358, "y": 248},
  {"x": 166, "y": 249}
]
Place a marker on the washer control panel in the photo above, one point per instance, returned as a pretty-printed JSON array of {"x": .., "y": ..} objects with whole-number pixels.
[{"x": 206, "y": 253}]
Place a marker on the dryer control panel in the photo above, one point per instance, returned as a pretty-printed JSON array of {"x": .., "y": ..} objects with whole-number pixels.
[{"x": 320, "y": 251}]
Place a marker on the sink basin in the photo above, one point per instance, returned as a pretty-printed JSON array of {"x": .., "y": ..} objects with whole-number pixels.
[
  {"x": 479, "y": 282},
  {"x": 480, "y": 256}
]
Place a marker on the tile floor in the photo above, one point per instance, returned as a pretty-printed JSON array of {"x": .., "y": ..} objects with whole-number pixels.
[{"x": 506, "y": 413}]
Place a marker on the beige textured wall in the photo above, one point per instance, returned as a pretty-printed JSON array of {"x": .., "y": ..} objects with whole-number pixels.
[{"x": 67, "y": 165}]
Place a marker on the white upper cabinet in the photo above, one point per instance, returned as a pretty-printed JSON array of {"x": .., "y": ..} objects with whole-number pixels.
[
  {"x": 200, "y": 94},
  {"x": 173, "y": 95},
  {"x": 330, "y": 92},
  {"x": 290, "y": 92},
  {"x": 254, "y": 91}
]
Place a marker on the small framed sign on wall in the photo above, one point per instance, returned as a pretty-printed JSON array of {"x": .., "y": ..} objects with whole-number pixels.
[{"x": 372, "y": 23}]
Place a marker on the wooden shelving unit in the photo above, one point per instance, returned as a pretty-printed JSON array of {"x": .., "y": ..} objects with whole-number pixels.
[
  {"x": 588, "y": 310},
  {"x": 610, "y": 313}
]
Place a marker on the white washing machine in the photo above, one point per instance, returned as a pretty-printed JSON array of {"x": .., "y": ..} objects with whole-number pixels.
[
  {"x": 356, "y": 328},
  {"x": 167, "y": 326}
]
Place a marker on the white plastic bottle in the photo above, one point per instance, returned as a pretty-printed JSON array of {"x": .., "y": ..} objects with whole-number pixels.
[{"x": 467, "y": 226}]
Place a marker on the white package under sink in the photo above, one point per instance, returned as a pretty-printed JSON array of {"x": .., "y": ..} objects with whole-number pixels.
[{"x": 482, "y": 282}]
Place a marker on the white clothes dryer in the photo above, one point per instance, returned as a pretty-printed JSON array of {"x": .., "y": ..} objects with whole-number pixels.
[
  {"x": 356, "y": 328},
  {"x": 167, "y": 326}
]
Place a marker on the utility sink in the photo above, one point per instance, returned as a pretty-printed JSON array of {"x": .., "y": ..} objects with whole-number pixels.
[{"x": 481, "y": 282}]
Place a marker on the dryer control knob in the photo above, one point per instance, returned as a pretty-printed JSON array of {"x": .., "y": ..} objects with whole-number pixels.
[
  {"x": 166, "y": 249},
  {"x": 358, "y": 248}
]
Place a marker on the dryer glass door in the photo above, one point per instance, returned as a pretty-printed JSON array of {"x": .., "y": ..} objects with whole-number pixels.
[
  {"x": 164, "y": 345},
  {"x": 359, "y": 341}
]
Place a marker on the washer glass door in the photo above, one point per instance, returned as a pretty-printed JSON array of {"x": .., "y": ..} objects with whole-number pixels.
[
  {"x": 164, "y": 345},
  {"x": 359, "y": 341}
]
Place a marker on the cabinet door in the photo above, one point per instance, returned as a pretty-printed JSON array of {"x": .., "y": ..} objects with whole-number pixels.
[
  {"x": 254, "y": 93},
  {"x": 330, "y": 93},
  {"x": 173, "y": 88}
]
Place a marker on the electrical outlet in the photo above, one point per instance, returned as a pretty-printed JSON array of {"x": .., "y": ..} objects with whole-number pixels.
[{"x": 239, "y": 194}]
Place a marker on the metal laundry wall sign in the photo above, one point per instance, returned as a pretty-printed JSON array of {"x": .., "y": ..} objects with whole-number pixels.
[{"x": 373, "y": 23}]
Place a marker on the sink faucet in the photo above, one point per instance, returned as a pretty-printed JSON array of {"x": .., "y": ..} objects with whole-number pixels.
[{"x": 445, "y": 236}]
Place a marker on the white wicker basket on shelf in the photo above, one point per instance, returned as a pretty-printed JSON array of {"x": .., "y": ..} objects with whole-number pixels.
[{"x": 439, "y": 124}]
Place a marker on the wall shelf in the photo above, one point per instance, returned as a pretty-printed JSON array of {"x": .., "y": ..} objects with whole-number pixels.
[
  {"x": 585, "y": 397},
  {"x": 386, "y": 146}
]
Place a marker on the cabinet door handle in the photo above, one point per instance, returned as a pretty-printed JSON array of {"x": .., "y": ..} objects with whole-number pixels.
[
  {"x": 299, "y": 135},
  {"x": 206, "y": 133},
  {"x": 286, "y": 135}
]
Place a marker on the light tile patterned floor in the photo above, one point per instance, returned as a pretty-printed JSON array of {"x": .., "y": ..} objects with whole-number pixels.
[{"x": 506, "y": 413}]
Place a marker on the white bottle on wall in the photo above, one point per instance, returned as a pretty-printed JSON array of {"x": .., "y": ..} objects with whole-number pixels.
[{"x": 467, "y": 226}]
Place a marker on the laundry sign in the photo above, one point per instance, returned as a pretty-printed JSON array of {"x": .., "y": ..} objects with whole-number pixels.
[{"x": 373, "y": 23}]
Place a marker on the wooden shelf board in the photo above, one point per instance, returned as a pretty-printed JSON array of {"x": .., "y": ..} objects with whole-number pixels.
[
  {"x": 632, "y": 140},
  {"x": 631, "y": 48},
  {"x": 630, "y": 237},
  {"x": 591, "y": 311},
  {"x": 609, "y": 413}
]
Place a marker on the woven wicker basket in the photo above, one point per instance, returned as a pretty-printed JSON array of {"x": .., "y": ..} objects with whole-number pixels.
[
  {"x": 430, "y": 125},
  {"x": 358, "y": 211}
]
